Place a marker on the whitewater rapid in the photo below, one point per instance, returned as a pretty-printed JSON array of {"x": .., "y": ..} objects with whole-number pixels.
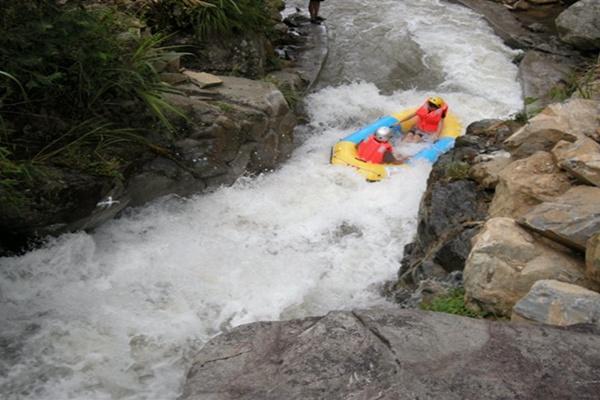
[{"x": 119, "y": 313}]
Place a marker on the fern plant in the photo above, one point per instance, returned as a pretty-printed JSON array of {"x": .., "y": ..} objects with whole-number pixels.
[
  {"x": 209, "y": 17},
  {"x": 74, "y": 80}
]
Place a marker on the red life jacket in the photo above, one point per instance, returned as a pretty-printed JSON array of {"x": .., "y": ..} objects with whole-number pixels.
[
  {"x": 430, "y": 120},
  {"x": 371, "y": 150}
]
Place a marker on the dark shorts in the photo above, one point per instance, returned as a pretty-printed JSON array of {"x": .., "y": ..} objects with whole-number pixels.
[{"x": 421, "y": 134}]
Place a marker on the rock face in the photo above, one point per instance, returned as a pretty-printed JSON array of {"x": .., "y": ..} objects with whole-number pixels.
[
  {"x": 571, "y": 219},
  {"x": 543, "y": 74},
  {"x": 526, "y": 183},
  {"x": 448, "y": 216},
  {"x": 581, "y": 159},
  {"x": 506, "y": 261},
  {"x": 567, "y": 121},
  {"x": 77, "y": 201},
  {"x": 451, "y": 212},
  {"x": 579, "y": 25},
  {"x": 592, "y": 257},
  {"x": 558, "y": 303},
  {"x": 487, "y": 168},
  {"x": 503, "y": 22},
  {"x": 391, "y": 354},
  {"x": 239, "y": 126}
]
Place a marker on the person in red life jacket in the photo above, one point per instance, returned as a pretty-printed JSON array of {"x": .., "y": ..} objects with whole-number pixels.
[
  {"x": 376, "y": 148},
  {"x": 430, "y": 120}
]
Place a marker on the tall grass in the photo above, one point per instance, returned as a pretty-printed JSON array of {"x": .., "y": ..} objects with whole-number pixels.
[
  {"x": 451, "y": 303},
  {"x": 77, "y": 81},
  {"x": 209, "y": 17}
]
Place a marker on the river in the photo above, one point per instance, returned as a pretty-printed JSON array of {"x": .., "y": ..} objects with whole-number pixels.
[{"x": 119, "y": 313}]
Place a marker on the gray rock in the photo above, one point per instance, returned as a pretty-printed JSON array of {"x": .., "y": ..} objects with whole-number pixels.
[
  {"x": 391, "y": 354},
  {"x": 558, "y": 303},
  {"x": 592, "y": 257},
  {"x": 503, "y": 22},
  {"x": 579, "y": 25},
  {"x": 543, "y": 76},
  {"x": 571, "y": 218},
  {"x": 446, "y": 216},
  {"x": 567, "y": 121},
  {"x": 506, "y": 260},
  {"x": 581, "y": 159},
  {"x": 526, "y": 183}
]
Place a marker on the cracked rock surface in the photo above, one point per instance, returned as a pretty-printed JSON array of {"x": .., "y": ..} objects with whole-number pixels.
[{"x": 396, "y": 354}]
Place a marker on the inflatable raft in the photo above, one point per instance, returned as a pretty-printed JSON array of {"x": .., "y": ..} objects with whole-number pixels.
[{"x": 345, "y": 151}]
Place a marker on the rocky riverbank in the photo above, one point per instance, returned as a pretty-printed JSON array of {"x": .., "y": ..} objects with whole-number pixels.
[
  {"x": 511, "y": 216},
  {"x": 523, "y": 213}
]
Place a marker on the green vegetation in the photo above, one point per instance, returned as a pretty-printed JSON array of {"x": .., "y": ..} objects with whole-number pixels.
[
  {"x": 559, "y": 92},
  {"x": 208, "y": 17},
  {"x": 580, "y": 82},
  {"x": 78, "y": 89},
  {"x": 291, "y": 94},
  {"x": 521, "y": 117},
  {"x": 452, "y": 303},
  {"x": 457, "y": 170},
  {"x": 587, "y": 82},
  {"x": 224, "y": 106},
  {"x": 530, "y": 100}
]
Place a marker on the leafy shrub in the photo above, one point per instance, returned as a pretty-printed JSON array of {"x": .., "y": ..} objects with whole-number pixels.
[
  {"x": 208, "y": 17},
  {"x": 75, "y": 80}
]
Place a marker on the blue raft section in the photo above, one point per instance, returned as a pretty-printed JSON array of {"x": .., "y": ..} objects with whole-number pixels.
[
  {"x": 431, "y": 153},
  {"x": 344, "y": 152}
]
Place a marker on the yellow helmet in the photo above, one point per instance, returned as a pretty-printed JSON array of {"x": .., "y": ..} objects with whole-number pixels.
[{"x": 436, "y": 101}]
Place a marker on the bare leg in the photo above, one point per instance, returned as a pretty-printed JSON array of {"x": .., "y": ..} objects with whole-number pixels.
[
  {"x": 410, "y": 137},
  {"x": 311, "y": 9}
]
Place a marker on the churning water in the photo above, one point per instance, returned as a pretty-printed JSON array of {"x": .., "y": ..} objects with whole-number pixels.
[{"x": 117, "y": 314}]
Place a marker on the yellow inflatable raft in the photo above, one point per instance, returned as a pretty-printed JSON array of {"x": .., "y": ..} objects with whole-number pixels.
[{"x": 345, "y": 151}]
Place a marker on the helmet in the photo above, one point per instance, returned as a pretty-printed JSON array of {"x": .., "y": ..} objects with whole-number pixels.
[
  {"x": 383, "y": 134},
  {"x": 436, "y": 101}
]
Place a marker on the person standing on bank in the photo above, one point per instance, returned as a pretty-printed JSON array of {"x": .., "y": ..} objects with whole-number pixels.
[{"x": 313, "y": 9}]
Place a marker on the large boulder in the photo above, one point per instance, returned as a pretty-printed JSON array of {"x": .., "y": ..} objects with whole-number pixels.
[
  {"x": 592, "y": 257},
  {"x": 526, "y": 183},
  {"x": 581, "y": 159},
  {"x": 448, "y": 218},
  {"x": 542, "y": 75},
  {"x": 557, "y": 303},
  {"x": 506, "y": 261},
  {"x": 571, "y": 218},
  {"x": 69, "y": 201},
  {"x": 579, "y": 25},
  {"x": 560, "y": 121},
  {"x": 236, "y": 127},
  {"x": 391, "y": 354},
  {"x": 486, "y": 168}
]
